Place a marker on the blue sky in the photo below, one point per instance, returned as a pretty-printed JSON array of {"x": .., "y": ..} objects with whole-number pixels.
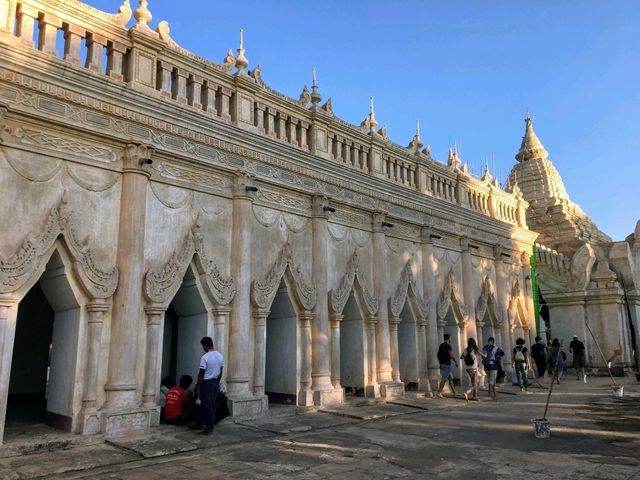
[{"x": 468, "y": 70}]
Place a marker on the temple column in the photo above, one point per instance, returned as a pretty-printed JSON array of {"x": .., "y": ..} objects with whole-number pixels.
[
  {"x": 429, "y": 268},
  {"x": 336, "y": 318},
  {"x": 393, "y": 346},
  {"x": 96, "y": 311},
  {"x": 155, "y": 317},
  {"x": 8, "y": 316},
  {"x": 380, "y": 287},
  {"x": 127, "y": 301},
  {"x": 323, "y": 391},
  {"x": 372, "y": 389},
  {"x": 423, "y": 364},
  {"x": 502, "y": 309},
  {"x": 259, "y": 351},
  {"x": 468, "y": 285},
  {"x": 305, "y": 397},
  {"x": 240, "y": 324},
  {"x": 219, "y": 334}
]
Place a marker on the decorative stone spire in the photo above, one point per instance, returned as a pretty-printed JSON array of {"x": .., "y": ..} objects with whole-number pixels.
[
  {"x": 416, "y": 142},
  {"x": 241, "y": 60},
  {"x": 373, "y": 123},
  {"x": 562, "y": 224},
  {"x": 453, "y": 160},
  {"x": 486, "y": 176},
  {"x": 315, "y": 94},
  {"x": 531, "y": 146},
  {"x": 143, "y": 15}
]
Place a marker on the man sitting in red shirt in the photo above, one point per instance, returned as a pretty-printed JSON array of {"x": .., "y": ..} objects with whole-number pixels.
[{"x": 178, "y": 408}]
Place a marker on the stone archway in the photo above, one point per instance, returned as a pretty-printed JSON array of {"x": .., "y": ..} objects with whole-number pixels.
[
  {"x": 285, "y": 282},
  {"x": 487, "y": 315},
  {"x": 450, "y": 313},
  {"x": 353, "y": 311},
  {"x": 408, "y": 332},
  {"x": 88, "y": 288},
  {"x": 211, "y": 294},
  {"x": 518, "y": 325}
]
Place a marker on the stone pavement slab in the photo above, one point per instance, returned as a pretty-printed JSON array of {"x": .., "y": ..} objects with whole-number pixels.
[
  {"x": 368, "y": 412},
  {"x": 297, "y": 423}
]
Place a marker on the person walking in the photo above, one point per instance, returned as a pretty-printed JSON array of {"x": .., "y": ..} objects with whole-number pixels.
[
  {"x": 209, "y": 375},
  {"x": 470, "y": 358},
  {"x": 444, "y": 359},
  {"x": 491, "y": 363},
  {"x": 521, "y": 364},
  {"x": 556, "y": 360},
  {"x": 576, "y": 348},
  {"x": 540, "y": 356}
]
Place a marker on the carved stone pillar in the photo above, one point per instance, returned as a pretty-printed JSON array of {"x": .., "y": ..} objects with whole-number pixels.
[
  {"x": 336, "y": 318},
  {"x": 26, "y": 15},
  {"x": 302, "y": 135},
  {"x": 259, "y": 116},
  {"x": 481, "y": 340},
  {"x": 194, "y": 91},
  {"x": 7, "y": 20},
  {"x": 433, "y": 334},
  {"x": 164, "y": 78},
  {"x": 155, "y": 317},
  {"x": 72, "y": 44},
  {"x": 220, "y": 321},
  {"x": 49, "y": 25},
  {"x": 270, "y": 122},
  {"x": 305, "y": 397},
  {"x": 468, "y": 285},
  {"x": 127, "y": 302},
  {"x": 380, "y": 288},
  {"x": 179, "y": 85},
  {"x": 8, "y": 314},
  {"x": 502, "y": 299},
  {"x": 240, "y": 324},
  {"x": 321, "y": 372},
  {"x": 259, "y": 351},
  {"x": 393, "y": 340},
  {"x": 115, "y": 60},
  {"x": 209, "y": 98},
  {"x": 423, "y": 364},
  {"x": 223, "y": 103},
  {"x": 95, "y": 44},
  {"x": 96, "y": 311},
  {"x": 372, "y": 389}
]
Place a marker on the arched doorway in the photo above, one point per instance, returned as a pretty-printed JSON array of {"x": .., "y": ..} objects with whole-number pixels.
[
  {"x": 42, "y": 386},
  {"x": 352, "y": 348},
  {"x": 408, "y": 349}
]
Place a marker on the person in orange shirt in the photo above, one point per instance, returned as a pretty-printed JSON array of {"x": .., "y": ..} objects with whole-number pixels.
[{"x": 179, "y": 407}]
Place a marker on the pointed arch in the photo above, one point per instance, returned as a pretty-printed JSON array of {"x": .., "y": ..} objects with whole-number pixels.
[
  {"x": 407, "y": 289},
  {"x": 162, "y": 283},
  {"x": 516, "y": 310},
  {"x": 27, "y": 264},
  {"x": 264, "y": 289},
  {"x": 487, "y": 303},
  {"x": 450, "y": 295},
  {"x": 353, "y": 279}
]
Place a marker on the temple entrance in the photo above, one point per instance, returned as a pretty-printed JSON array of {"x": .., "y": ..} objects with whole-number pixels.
[
  {"x": 43, "y": 366},
  {"x": 451, "y": 327},
  {"x": 352, "y": 345},
  {"x": 407, "y": 349},
  {"x": 186, "y": 322},
  {"x": 281, "y": 362}
]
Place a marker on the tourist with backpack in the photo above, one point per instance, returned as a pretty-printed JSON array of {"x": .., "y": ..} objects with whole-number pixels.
[
  {"x": 521, "y": 364},
  {"x": 470, "y": 358},
  {"x": 444, "y": 359},
  {"x": 491, "y": 364}
]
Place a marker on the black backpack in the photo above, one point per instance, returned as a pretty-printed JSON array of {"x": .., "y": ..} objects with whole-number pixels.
[{"x": 468, "y": 358}]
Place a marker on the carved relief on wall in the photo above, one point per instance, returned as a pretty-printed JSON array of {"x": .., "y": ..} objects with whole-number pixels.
[
  {"x": 264, "y": 289},
  {"x": 407, "y": 288},
  {"x": 162, "y": 283},
  {"x": 450, "y": 295},
  {"x": 341, "y": 233},
  {"x": 268, "y": 217},
  {"x": 31, "y": 257},
  {"x": 353, "y": 278},
  {"x": 487, "y": 300}
]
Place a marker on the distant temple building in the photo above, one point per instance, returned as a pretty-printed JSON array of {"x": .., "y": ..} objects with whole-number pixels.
[{"x": 151, "y": 197}]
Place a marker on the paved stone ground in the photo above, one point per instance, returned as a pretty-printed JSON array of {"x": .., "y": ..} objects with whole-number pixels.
[{"x": 594, "y": 436}]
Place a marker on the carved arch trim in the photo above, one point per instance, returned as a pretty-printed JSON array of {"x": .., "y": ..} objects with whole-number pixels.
[
  {"x": 353, "y": 279},
  {"x": 487, "y": 302},
  {"x": 407, "y": 289},
  {"x": 162, "y": 283},
  {"x": 450, "y": 295},
  {"x": 264, "y": 289},
  {"x": 516, "y": 310},
  {"x": 32, "y": 256}
]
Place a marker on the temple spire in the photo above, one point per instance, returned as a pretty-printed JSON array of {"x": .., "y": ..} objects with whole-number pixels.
[
  {"x": 315, "y": 94},
  {"x": 241, "y": 60},
  {"x": 531, "y": 146},
  {"x": 373, "y": 123}
]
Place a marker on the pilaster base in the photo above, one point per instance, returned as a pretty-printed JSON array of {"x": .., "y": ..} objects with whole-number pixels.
[
  {"x": 389, "y": 390},
  {"x": 424, "y": 385},
  {"x": 372, "y": 391},
  {"x": 249, "y": 407},
  {"x": 305, "y": 398},
  {"x": 90, "y": 422},
  {"x": 332, "y": 396},
  {"x": 125, "y": 420}
]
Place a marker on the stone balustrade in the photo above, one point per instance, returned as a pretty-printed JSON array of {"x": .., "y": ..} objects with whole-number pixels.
[{"x": 151, "y": 62}]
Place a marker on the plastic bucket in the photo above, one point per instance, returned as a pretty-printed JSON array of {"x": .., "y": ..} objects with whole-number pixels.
[
  {"x": 618, "y": 391},
  {"x": 541, "y": 428}
]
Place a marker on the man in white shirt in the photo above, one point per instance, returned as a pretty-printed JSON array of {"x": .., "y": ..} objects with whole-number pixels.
[{"x": 206, "y": 390}]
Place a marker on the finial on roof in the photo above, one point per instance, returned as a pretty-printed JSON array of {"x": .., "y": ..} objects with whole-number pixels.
[
  {"x": 373, "y": 123},
  {"x": 531, "y": 148},
  {"x": 418, "y": 129},
  {"x": 416, "y": 142},
  {"x": 486, "y": 176},
  {"x": 142, "y": 14},
  {"x": 453, "y": 159},
  {"x": 241, "y": 60},
  {"x": 315, "y": 94},
  {"x": 229, "y": 61}
]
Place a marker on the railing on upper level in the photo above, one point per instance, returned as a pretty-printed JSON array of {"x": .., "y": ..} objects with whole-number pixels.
[{"x": 151, "y": 62}]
